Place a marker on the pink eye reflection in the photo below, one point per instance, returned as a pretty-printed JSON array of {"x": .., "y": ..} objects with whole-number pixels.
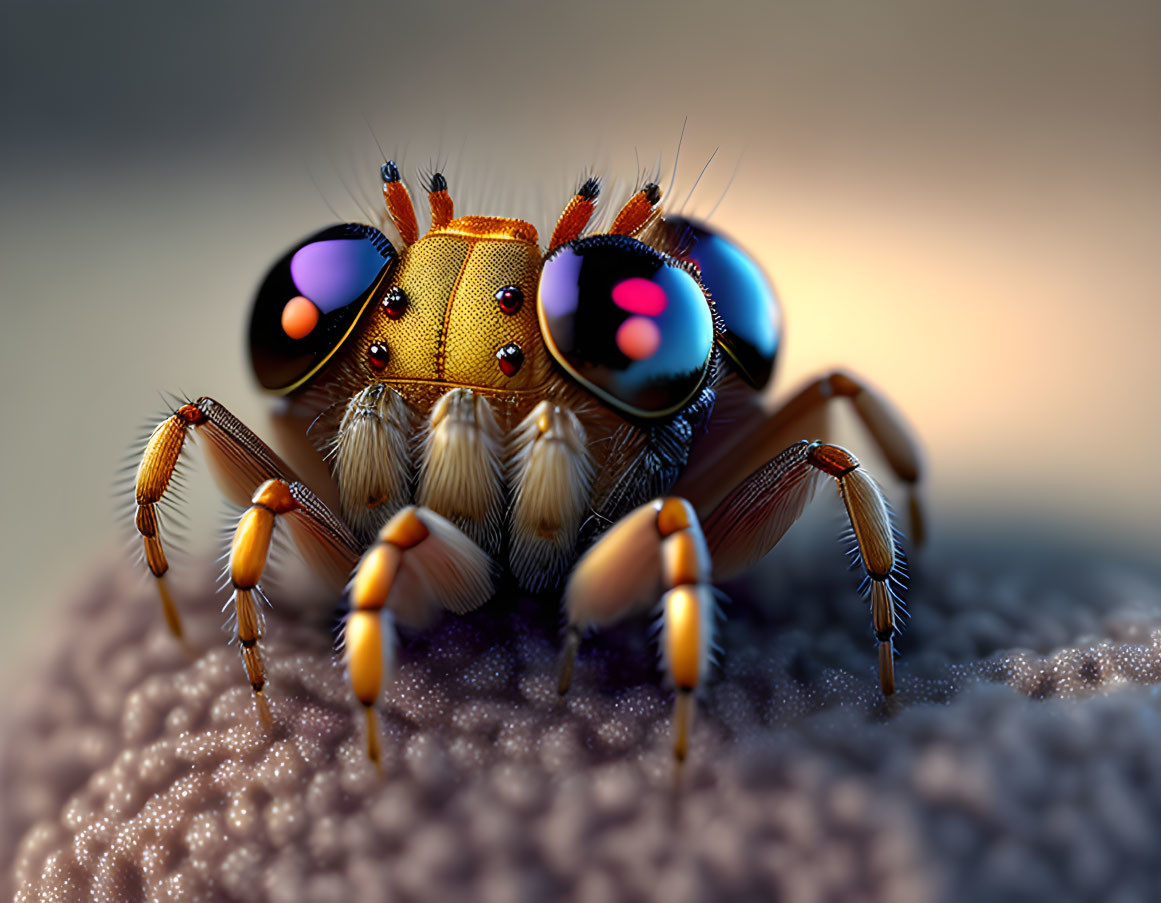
[
  {"x": 638, "y": 338},
  {"x": 640, "y": 296}
]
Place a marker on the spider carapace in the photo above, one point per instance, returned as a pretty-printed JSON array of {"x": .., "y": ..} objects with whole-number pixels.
[{"x": 589, "y": 418}]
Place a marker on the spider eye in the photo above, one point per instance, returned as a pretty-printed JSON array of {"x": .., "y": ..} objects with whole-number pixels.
[
  {"x": 310, "y": 300},
  {"x": 742, "y": 295},
  {"x": 627, "y": 322}
]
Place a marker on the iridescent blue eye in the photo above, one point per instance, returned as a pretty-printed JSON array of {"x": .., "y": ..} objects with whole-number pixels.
[
  {"x": 627, "y": 322},
  {"x": 310, "y": 301},
  {"x": 742, "y": 296}
]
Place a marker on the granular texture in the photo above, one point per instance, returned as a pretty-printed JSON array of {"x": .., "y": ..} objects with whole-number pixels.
[{"x": 1020, "y": 762}]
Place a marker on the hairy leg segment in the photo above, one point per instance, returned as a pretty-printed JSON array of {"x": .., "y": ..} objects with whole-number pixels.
[
  {"x": 656, "y": 549},
  {"x": 251, "y": 475},
  {"x": 756, "y": 513},
  {"x": 762, "y": 434}
]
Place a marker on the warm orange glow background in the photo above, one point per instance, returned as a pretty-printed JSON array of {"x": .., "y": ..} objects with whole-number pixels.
[{"x": 961, "y": 202}]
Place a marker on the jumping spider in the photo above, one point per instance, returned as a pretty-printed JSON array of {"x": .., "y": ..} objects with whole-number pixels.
[{"x": 480, "y": 401}]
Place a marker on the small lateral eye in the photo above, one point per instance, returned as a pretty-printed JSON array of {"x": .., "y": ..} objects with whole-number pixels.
[
  {"x": 378, "y": 356},
  {"x": 395, "y": 302},
  {"x": 510, "y": 298},
  {"x": 510, "y": 358}
]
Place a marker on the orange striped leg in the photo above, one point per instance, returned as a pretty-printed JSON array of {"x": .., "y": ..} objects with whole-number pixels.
[
  {"x": 240, "y": 462},
  {"x": 763, "y": 434},
  {"x": 756, "y": 514},
  {"x": 875, "y": 537},
  {"x": 441, "y": 569},
  {"x": 248, "y": 554},
  {"x": 158, "y": 462},
  {"x": 659, "y": 545},
  {"x": 311, "y": 527}
]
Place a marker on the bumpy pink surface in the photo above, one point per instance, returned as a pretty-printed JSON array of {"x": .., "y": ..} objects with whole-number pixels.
[{"x": 1020, "y": 762}]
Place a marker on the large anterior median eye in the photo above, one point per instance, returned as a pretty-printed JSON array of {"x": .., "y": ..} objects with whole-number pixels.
[
  {"x": 627, "y": 322},
  {"x": 310, "y": 300}
]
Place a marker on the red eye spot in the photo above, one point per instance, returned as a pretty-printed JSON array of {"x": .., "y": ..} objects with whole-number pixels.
[
  {"x": 510, "y": 298},
  {"x": 395, "y": 303},
  {"x": 640, "y": 296},
  {"x": 299, "y": 317},
  {"x": 378, "y": 355},
  {"x": 638, "y": 338},
  {"x": 511, "y": 358}
]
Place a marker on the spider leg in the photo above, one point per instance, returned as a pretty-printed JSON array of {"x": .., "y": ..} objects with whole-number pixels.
[
  {"x": 657, "y": 547},
  {"x": 755, "y": 515},
  {"x": 750, "y": 443},
  {"x": 249, "y": 474},
  {"x": 244, "y": 462},
  {"x": 315, "y": 530},
  {"x": 421, "y": 563}
]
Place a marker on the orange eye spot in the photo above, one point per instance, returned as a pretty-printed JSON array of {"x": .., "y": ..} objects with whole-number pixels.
[
  {"x": 638, "y": 338},
  {"x": 299, "y": 317}
]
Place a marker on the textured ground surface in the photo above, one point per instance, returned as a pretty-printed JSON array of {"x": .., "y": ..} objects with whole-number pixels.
[{"x": 1022, "y": 763}]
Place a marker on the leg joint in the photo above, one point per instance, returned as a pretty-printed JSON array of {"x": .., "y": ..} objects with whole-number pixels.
[
  {"x": 674, "y": 514},
  {"x": 831, "y": 459},
  {"x": 192, "y": 413},
  {"x": 842, "y": 384},
  {"x": 275, "y": 496}
]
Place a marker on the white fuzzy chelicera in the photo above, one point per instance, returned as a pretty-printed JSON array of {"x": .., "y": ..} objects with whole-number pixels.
[
  {"x": 551, "y": 472},
  {"x": 460, "y": 473},
  {"x": 373, "y": 458}
]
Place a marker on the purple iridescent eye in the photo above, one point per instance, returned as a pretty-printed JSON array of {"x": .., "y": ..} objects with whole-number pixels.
[
  {"x": 742, "y": 296},
  {"x": 627, "y": 322},
  {"x": 310, "y": 300}
]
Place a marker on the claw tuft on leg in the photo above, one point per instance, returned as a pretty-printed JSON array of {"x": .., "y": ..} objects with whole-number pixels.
[
  {"x": 887, "y": 667},
  {"x": 568, "y": 659},
  {"x": 682, "y": 720},
  {"x": 374, "y": 751},
  {"x": 916, "y": 519},
  {"x": 263, "y": 706},
  {"x": 169, "y": 609}
]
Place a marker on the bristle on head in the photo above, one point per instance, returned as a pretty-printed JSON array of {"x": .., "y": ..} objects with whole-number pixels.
[
  {"x": 398, "y": 201},
  {"x": 638, "y": 212},
  {"x": 442, "y": 208},
  {"x": 577, "y": 214},
  {"x": 389, "y": 172}
]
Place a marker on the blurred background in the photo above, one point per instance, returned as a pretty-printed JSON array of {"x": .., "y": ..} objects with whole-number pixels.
[{"x": 961, "y": 202}]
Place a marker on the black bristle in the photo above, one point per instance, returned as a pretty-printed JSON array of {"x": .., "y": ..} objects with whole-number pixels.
[
  {"x": 590, "y": 189},
  {"x": 390, "y": 172},
  {"x": 436, "y": 183},
  {"x": 652, "y": 192}
]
